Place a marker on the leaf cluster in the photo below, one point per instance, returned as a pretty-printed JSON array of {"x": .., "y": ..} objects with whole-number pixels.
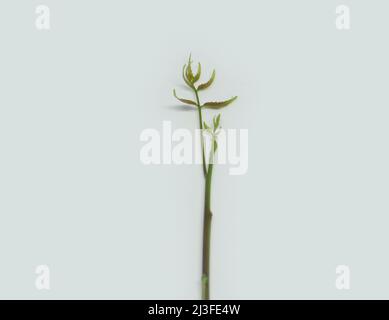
[{"x": 191, "y": 79}]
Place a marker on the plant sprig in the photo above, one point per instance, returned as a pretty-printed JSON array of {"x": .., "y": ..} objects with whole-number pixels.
[{"x": 190, "y": 79}]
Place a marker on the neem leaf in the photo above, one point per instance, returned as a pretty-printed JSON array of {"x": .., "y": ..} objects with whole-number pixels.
[
  {"x": 218, "y": 105},
  {"x": 189, "y": 72},
  {"x": 216, "y": 121},
  {"x": 198, "y": 74},
  {"x": 208, "y": 83},
  {"x": 186, "y": 101},
  {"x": 184, "y": 77}
]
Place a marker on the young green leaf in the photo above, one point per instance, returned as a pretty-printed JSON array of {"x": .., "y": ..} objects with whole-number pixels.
[
  {"x": 198, "y": 73},
  {"x": 186, "y": 101},
  {"x": 207, "y": 84},
  {"x": 216, "y": 121},
  {"x": 206, "y": 126},
  {"x": 189, "y": 72},
  {"x": 218, "y": 105},
  {"x": 184, "y": 77}
]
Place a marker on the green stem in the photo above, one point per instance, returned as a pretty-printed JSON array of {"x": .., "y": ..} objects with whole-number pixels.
[
  {"x": 207, "y": 230},
  {"x": 201, "y": 132}
]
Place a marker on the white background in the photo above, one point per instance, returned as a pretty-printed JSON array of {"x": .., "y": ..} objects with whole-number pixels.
[{"x": 74, "y": 195}]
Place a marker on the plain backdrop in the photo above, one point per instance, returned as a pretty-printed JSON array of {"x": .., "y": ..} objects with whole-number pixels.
[{"x": 75, "y": 196}]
